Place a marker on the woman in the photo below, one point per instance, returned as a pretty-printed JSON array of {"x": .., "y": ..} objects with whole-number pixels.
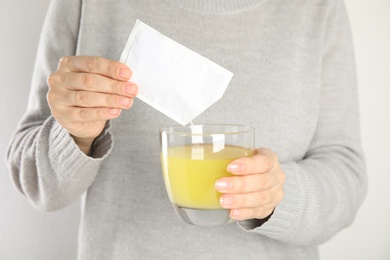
[{"x": 84, "y": 134}]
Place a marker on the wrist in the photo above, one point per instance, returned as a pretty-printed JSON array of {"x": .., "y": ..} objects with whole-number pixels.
[{"x": 85, "y": 144}]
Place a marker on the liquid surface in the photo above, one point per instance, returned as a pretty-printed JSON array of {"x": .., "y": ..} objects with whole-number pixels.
[{"x": 190, "y": 173}]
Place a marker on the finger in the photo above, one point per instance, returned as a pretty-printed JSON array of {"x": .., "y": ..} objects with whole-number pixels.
[
  {"x": 96, "y": 83},
  {"x": 246, "y": 183},
  {"x": 70, "y": 115},
  {"x": 263, "y": 161},
  {"x": 97, "y": 65},
  {"x": 247, "y": 200},
  {"x": 251, "y": 213},
  {"x": 94, "y": 99}
]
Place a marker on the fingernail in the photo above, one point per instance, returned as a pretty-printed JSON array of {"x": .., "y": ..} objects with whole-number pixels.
[
  {"x": 131, "y": 89},
  {"x": 226, "y": 200},
  {"x": 114, "y": 111},
  {"x": 124, "y": 101},
  {"x": 223, "y": 185},
  {"x": 235, "y": 167},
  {"x": 124, "y": 73}
]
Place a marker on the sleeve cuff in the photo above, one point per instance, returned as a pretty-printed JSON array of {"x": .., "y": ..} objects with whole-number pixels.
[
  {"x": 65, "y": 155},
  {"x": 279, "y": 225}
]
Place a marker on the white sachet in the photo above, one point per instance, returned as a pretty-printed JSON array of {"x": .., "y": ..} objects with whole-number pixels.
[{"x": 172, "y": 78}]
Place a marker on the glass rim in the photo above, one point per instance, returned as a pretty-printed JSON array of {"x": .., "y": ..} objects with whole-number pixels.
[{"x": 169, "y": 130}]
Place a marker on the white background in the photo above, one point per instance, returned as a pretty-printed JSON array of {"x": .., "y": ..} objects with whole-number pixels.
[{"x": 28, "y": 234}]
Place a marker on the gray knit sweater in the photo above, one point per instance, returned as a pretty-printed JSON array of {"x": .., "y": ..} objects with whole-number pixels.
[{"x": 294, "y": 81}]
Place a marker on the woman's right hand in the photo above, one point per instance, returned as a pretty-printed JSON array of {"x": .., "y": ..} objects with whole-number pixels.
[{"x": 85, "y": 92}]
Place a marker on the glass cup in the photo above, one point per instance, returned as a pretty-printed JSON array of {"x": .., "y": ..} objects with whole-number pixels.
[{"x": 193, "y": 158}]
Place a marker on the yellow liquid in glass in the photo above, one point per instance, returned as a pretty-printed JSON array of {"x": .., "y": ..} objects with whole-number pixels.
[{"x": 190, "y": 173}]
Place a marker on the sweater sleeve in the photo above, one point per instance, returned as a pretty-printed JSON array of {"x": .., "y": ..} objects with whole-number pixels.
[
  {"x": 45, "y": 163},
  {"x": 324, "y": 190}
]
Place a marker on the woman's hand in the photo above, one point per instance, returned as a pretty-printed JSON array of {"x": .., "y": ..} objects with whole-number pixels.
[
  {"x": 85, "y": 92},
  {"x": 256, "y": 189}
]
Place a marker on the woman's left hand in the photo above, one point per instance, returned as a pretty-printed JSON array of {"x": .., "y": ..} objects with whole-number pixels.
[{"x": 257, "y": 187}]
